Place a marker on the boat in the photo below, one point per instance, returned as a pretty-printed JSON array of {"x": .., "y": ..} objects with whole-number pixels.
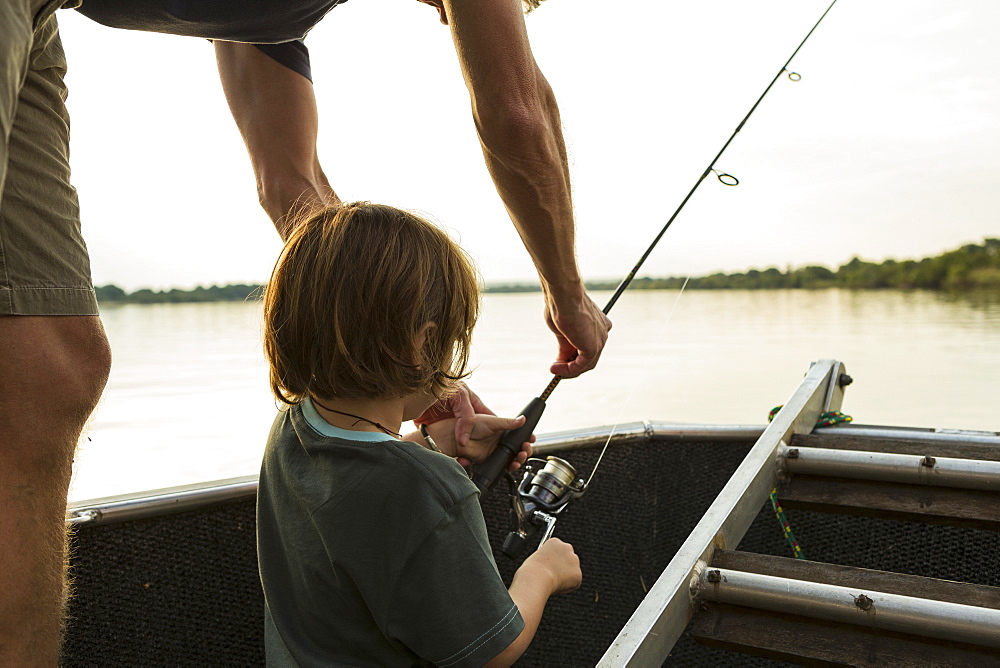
[{"x": 684, "y": 558}]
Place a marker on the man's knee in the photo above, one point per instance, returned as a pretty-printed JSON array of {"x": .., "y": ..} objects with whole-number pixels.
[{"x": 52, "y": 372}]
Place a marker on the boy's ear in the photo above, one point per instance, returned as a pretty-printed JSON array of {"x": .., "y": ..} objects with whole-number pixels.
[{"x": 420, "y": 340}]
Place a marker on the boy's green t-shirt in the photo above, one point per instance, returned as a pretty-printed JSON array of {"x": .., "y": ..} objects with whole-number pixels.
[{"x": 373, "y": 551}]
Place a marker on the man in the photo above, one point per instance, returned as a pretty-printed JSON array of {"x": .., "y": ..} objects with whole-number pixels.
[{"x": 53, "y": 369}]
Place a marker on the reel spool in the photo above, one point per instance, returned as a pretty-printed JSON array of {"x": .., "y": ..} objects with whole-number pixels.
[{"x": 546, "y": 488}]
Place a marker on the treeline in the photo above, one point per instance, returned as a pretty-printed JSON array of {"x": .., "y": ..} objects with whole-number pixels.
[
  {"x": 971, "y": 267},
  {"x": 216, "y": 293}
]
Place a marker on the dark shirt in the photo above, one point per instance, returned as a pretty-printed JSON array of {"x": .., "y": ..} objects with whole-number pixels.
[
  {"x": 281, "y": 23},
  {"x": 373, "y": 552}
]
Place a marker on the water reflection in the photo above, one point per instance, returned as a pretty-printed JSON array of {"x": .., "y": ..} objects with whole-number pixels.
[
  {"x": 985, "y": 300},
  {"x": 188, "y": 398}
]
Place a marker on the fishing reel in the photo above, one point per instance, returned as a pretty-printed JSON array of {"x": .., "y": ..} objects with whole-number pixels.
[{"x": 546, "y": 488}]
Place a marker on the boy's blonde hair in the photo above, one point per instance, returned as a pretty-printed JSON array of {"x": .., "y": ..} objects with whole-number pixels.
[{"x": 349, "y": 294}]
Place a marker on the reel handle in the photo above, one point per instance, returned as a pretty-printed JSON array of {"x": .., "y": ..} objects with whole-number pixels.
[
  {"x": 514, "y": 544},
  {"x": 490, "y": 471}
]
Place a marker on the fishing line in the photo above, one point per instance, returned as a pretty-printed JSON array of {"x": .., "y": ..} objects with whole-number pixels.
[
  {"x": 491, "y": 470},
  {"x": 724, "y": 178},
  {"x": 631, "y": 392}
]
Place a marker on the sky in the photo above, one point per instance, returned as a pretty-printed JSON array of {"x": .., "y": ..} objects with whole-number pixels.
[{"x": 886, "y": 148}]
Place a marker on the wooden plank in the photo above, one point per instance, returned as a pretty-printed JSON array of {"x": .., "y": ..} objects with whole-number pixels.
[
  {"x": 975, "y": 509},
  {"x": 962, "y": 450},
  {"x": 934, "y": 589},
  {"x": 803, "y": 640}
]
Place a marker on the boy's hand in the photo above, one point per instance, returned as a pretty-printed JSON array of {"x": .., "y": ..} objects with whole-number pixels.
[
  {"x": 484, "y": 433},
  {"x": 559, "y": 561},
  {"x": 465, "y": 405}
]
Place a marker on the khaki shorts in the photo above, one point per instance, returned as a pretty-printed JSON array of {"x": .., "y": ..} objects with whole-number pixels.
[{"x": 44, "y": 266}]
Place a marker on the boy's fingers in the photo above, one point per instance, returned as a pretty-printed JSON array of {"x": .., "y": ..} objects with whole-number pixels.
[
  {"x": 463, "y": 407},
  {"x": 486, "y": 425},
  {"x": 513, "y": 423},
  {"x": 503, "y": 424},
  {"x": 483, "y": 427},
  {"x": 519, "y": 460},
  {"x": 463, "y": 430}
]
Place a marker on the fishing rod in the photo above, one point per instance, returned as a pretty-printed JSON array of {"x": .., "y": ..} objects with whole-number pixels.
[{"x": 547, "y": 487}]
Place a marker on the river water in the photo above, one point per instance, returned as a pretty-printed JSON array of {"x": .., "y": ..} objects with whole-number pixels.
[{"x": 188, "y": 398}]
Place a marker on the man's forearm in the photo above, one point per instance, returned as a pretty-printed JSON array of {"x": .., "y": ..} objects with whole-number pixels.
[
  {"x": 519, "y": 128},
  {"x": 526, "y": 156},
  {"x": 518, "y": 122},
  {"x": 275, "y": 110}
]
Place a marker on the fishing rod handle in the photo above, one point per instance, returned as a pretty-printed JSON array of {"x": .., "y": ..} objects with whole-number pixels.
[{"x": 490, "y": 471}]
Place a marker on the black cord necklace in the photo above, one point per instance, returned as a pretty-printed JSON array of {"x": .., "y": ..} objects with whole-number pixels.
[{"x": 358, "y": 418}]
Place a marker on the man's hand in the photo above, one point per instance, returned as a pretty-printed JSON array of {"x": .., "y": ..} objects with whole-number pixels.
[
  {"x": 581, "y": 329},
  {"x": 464, "y": 405}
]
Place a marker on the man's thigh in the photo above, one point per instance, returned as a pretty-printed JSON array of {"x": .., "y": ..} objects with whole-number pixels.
[{"x": 44, "y": 266}]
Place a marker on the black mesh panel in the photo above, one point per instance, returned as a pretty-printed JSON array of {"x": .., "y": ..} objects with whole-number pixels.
[{"x": 183, "y": 589}]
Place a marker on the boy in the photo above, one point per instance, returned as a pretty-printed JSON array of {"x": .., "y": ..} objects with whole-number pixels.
[{"x": 372, "y": 546}]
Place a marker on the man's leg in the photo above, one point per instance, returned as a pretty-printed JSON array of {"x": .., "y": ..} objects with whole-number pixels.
[
  {"x": 54, "y": 357},
  {"x": 52, "y": 372}
]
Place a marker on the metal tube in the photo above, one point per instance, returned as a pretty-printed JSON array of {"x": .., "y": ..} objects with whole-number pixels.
[
  {"x": 891, "y": 612},
  {"x": 912, "y": 433},
  {"x": 637, "y": 432},
  {"x": 157, "y": 502},
  {"x": 176, "y": 499},
  {"x": 665, "y": 431},
  {"x": 913, "y": 469},
  {"x": 633, "y": 432},
  {"x": 160, "y": 502}
]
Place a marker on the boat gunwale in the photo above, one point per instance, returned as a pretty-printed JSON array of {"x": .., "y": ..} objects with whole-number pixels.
[{"x": 150, "y": 503}]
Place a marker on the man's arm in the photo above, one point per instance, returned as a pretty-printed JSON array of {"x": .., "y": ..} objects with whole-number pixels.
[
  {"x": 275, "y": 110},
  {"x": 518, "y": 122}
]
